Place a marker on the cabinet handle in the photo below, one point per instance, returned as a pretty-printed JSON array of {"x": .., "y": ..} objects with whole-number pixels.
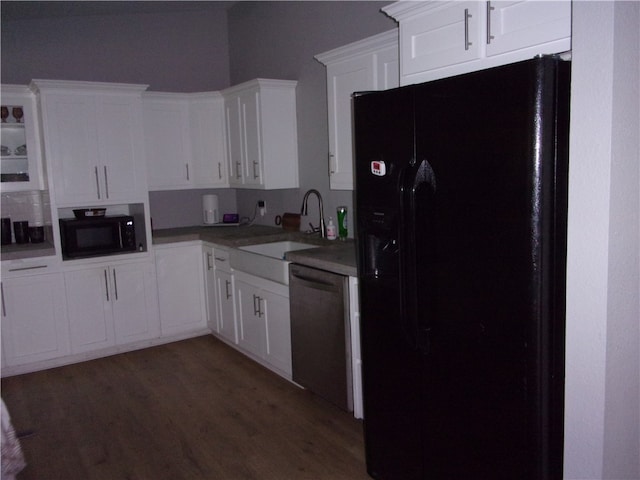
[
  {"x": 219, "y": 171},
  {"x": 209, "y": 263},
  {"x": 489, "y": 10},
  {"x": 467, "y": 16},
  {"x": 4, "y": 309},
  {"x": 257, "y": 308},
  {"x": 20, "y": 269},
  {"x": 187, "y": 167},
  {"x": 331, "y": 157},
  {"x": 95, "y": 170},
  {"x": 220, "y": 259},
  {"x": 106, "y": 284},
  {"x": 238, "y": 173},
  {"x": 226, "y": 288},
  {"x": 255, "y": 164},
  {"x": 106, "y": 182},
  {"x": 115, "y": 284}
]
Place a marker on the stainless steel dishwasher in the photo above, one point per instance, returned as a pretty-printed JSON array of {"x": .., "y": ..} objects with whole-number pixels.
[{"x": 320, "y": 333}]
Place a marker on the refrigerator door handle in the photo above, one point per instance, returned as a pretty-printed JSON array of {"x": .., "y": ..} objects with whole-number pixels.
[{"x": 419, "y": 187}]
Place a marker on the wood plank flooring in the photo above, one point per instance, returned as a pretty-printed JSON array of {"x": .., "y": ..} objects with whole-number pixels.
[{"x": 194, "y": 409}]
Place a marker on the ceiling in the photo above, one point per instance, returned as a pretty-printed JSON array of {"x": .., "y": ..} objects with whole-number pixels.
[{"x": 19, "y": 10}]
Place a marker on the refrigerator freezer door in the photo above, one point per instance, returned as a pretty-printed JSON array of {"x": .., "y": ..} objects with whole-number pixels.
[{"x": 391, "y": 373}]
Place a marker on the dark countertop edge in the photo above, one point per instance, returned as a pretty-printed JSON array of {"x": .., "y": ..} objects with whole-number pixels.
[{"x": 334, "y": 256}]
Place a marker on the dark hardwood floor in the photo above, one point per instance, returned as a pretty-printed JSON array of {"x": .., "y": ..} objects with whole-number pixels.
[{"x": 194, "y": 409}]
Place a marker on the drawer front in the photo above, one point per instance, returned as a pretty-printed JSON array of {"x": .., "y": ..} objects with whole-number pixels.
[{"x": 221, "y": 259}]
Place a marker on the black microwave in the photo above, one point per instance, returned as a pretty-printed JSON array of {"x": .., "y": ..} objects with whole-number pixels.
[{"x": 95, "y": 236}]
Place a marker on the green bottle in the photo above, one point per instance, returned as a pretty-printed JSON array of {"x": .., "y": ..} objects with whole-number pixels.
[{"x": 342, "y": 223}]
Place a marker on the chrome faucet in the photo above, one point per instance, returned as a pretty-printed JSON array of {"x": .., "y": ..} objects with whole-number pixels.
[{"x": 303, "y": 211}]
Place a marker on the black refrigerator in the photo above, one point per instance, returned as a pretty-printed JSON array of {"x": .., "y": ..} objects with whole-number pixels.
[{"x": 461, "y": 200}]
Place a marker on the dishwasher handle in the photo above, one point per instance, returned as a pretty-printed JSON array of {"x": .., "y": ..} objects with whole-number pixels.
[{"x": 313, "y": 281}]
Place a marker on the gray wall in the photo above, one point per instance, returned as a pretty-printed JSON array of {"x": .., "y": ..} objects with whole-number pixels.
[
  {"x": 182, "y": 50},
  {"x": 602, "y": 400}
]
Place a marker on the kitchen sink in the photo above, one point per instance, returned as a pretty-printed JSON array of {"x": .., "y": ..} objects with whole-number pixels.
[{"x": 266, "y": 260}]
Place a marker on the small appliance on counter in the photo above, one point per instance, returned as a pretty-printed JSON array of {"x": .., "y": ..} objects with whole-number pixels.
[{"x": 210, "y": 212}]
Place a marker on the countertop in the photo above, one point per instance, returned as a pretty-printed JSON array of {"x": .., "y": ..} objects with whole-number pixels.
[
  {"x": 18, "y": 251},
  {"x": 333, "y": 255}
]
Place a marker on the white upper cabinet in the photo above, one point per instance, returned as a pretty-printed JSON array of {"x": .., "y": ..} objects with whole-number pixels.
[
  {"x": 166, "y": 140},
  {"x": 93, "y": 141},
  {"x": 184, "y": 140},
  {"x": 445, "y": 35},
  {"x": 21, "y": 159},
  {"x": 370, "y": 64},
  {"x": 261, "y": 134},
  {"x": 519, "y": 25},
  {"x": 207, "y": 129},
  {"x": 442, "y": 39}
]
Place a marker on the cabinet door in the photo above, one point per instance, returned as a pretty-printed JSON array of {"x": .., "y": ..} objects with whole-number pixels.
[
  {"x": 387, "y": 70},
  {"x": 89, "y": 308},
  {"x": 251, "y": 141},
  {"x": 446, "y": 35},
  {"x": 120, "y": 146},
  {"x": 369, "y": 64},
  {"x": 167, "y": 142},
  {"x": 227, "y": 309},
  {"x": 251, "y": 322},
  {"x": 275, "y": 309},
  {"x": 233, "y": 119},
  {"x": 344, "y": 78},
  {"x": 71, "y": 144},
  {"x": 134, "y": 302},
  {"x": 521, "y": 24},
  {"x": 94, "y": 145},
  {"x": 34, "y": 319},
  {"x": 180, "y": 289},
  {"x": 207, "y": 128},
  {"x": 210, "y": 289}
]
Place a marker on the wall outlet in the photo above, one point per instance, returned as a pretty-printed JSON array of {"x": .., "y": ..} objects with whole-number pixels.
[{"x": 262, "y": 205}]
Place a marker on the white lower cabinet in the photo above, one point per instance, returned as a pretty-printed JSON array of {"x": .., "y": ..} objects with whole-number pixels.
[
  {"x": 111, "y": 305},
  {"x": 34, "y": 319},
  {"x": 263, "y": 321},
  {"x": 181, "y": 295},
  {"x": 135, "y": 304},
  {"x": 356, "y": 358},
  {"x": 225, "y": 295},
  {"x": 211, "y": 297}
]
